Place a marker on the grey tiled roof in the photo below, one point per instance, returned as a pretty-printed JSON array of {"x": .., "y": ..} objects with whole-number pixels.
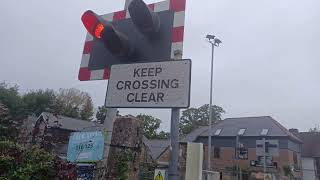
[
  {"x": 192, "y": 136},
  {"x": 156, "y": 146},
  {"x": 69, "y": 123},
  {"x": 253, "y": 126}
]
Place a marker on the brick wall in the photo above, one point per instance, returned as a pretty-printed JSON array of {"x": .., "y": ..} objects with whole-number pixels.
[{"x": 227, "y": 160}]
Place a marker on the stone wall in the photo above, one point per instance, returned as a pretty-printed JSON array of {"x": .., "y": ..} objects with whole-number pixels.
[{"x": 126, "y": 149}]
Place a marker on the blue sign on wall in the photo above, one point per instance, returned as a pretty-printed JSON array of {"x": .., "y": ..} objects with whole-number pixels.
[
  {"x": 85, "y": 147},
  {"x": 85, "y": 171}
]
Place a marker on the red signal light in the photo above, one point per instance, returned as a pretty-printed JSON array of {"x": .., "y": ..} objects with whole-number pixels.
[
  {"x": 116, "y": 42},
  {"x": 98, "y": 30},
  {"x": 92, "y": 23}
]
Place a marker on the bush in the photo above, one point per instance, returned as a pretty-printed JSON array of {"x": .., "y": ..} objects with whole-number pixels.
[{"x": 19, "y": 163}]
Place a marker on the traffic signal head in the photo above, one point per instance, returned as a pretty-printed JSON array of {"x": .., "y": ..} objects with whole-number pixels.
[
  {"x": 145, "y": 20},
  {"x": 115, "y": 42},
  {"x": 143, "y": 33}
]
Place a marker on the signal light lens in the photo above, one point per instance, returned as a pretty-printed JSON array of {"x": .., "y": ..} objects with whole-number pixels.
[
  {"x": 92, "y": 24},
  {"x": 98, "y": 30}
]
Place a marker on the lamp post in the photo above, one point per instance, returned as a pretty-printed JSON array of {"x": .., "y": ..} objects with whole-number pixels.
[{"x": 214, "y": 43}]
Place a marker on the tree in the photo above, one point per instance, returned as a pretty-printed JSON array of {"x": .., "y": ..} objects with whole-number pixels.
[
  {"x": 17, "y": 162},
  {"x": 150, "y": 127},
  {"x": 4, "y": 123},
  {"x": 74, "y": 103},
  {"x": 315, "y": 129},
  {"x": 163, "y": 135},
  {"x": 101, "y": 114},
  {"x": 9, "y": 96},
  {"x": 194, "y": 117},
  {"x": 36, "y": 102},
  {"x": 86, "y": 112}
]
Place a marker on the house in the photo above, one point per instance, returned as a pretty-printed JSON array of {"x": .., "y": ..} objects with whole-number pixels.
[
  {"x": 238, "y": 148},
  {"x": 239, "y": 143},
  {"x": 310, "y": 155},
  {"x": 52, "y": 131}
]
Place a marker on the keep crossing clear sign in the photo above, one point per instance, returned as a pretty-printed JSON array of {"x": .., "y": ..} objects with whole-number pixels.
[{"x": 163, "y": 84}]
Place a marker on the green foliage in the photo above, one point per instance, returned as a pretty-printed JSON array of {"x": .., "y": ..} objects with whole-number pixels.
[
  {"x": 101, "y": 114},
  {"x": 38, "y": 101},
  {"x": 192, "y": 118},
  {"x": 287, "y": 171},
  {"x": 146, "y": 171},
  {"x": 150, "y": 127},
  {"x": 68, "y": 102},
  {"x": 163, "y": 135},
  {"x": 74, "y": 103},
  {"x": 9, "y": 96},
  {"x": 121, "y": 166},
  {"x": 19, "y": 163},
  {"x": 87, "y": 109},
  {"x": 8, "y": 127}
]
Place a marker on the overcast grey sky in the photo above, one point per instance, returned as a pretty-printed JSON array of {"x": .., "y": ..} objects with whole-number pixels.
[{"x": 268, "y": 63}]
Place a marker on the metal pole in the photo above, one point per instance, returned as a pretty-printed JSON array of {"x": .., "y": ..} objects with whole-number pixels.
[
  {"x": 174, "y": 137},
  {"x": 111, "y": 115},
  {"x": 264, "y": 155},
  {"x": 210, "y": 113},
  {"x": 237, "y": 156}
]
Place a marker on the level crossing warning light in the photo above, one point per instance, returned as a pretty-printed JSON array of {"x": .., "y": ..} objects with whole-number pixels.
[
  {"x": 141, "y": 33},
  {"x": 103, "y": 30}
]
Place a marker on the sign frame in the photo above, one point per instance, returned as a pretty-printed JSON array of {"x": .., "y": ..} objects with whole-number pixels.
[
  {"x": 177, "y": 6},
  {"x": 155, "y": 107}
]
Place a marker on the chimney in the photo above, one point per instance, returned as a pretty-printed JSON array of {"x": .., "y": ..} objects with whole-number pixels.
[{"x": 294, "y": 131}]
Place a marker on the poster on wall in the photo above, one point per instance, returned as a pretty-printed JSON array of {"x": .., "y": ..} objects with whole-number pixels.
[{"x": 85, "y": 146}]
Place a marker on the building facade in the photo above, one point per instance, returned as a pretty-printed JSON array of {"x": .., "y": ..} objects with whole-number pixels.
[
  {"x": 250, "y": 145},
  {"x": 242, "y": 146},
  {"x": 52, "y": 132},
  {"x": 310, "y": 155}
]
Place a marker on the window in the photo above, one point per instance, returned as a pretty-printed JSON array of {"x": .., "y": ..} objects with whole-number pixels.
[
  {"x": 243, "y": 151},
  {"x": 264, "y": 132},
  {"x": 269, "y": 161},
  {"x": 266, "y": 147},
  {"x": 241, "y": 132},
  {"x": 218, "y": 131},
  {"x": 217, "y": 152}
]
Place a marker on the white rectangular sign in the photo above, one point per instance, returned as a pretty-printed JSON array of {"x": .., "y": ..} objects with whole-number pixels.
[{"x": 163, "y": 84}]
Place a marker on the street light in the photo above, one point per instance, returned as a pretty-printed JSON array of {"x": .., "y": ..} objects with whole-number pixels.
[{"x": 215, "y": 42}]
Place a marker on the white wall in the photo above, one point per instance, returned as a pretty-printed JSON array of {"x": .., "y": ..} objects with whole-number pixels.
[
  {"x": 308, "y": 168},
  {"x": 194, "y": 161}
]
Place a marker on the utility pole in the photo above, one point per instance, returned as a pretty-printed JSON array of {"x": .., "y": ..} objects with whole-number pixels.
[
  {"x": 264, "y": 156},
  {"x": 108, "y": 126},
  {"x": 237, "y": 156},
  {"x": 214, "y": 43},
  {"x": 174, "y": 136}
]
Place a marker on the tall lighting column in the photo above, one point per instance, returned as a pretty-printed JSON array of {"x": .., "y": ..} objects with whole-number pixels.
[{"x": 214, "y": 43}]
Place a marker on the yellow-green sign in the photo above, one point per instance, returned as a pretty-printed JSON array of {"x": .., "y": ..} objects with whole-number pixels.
[{"x": 159, "y": 174}]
